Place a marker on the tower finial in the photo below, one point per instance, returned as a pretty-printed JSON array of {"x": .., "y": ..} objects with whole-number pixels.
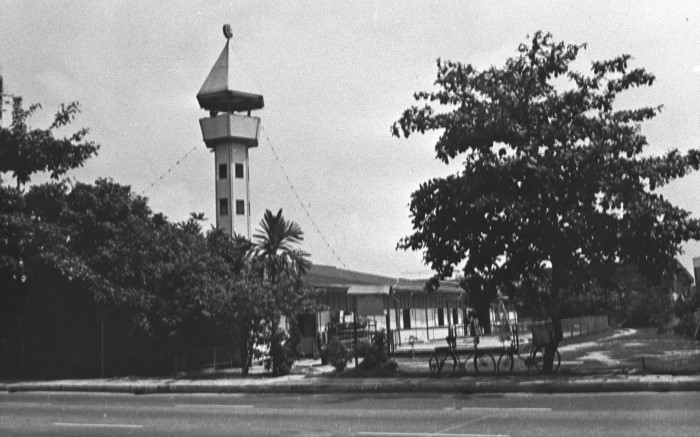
[{"x": 228, "y": 33}]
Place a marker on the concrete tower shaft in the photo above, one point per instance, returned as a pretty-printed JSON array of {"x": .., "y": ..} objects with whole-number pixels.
[{"x": 230, "y": 135}]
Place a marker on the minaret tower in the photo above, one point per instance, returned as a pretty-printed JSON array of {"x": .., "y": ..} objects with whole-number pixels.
[{"x": 229, "y": 133}]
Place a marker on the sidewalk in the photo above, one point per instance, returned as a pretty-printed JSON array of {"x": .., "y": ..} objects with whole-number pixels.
[
  {"x": 312, "y": 378},
  {"x": 609, "y": 362},
  {"x": 302, "y": 384}
]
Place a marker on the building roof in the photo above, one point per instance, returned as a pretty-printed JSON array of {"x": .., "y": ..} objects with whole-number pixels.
[
  {"x": 369, "y": 290},
  {"x": 329, "y": 276}
]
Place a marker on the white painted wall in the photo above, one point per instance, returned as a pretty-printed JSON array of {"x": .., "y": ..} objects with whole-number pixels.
[{"x": 233, "y": 189}]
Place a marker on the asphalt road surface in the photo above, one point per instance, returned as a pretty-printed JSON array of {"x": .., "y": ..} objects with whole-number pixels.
[{"x": 401, "y": 415}]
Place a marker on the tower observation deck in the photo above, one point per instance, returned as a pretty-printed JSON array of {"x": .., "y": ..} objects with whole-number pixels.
[{"x": 230, "y": 135}]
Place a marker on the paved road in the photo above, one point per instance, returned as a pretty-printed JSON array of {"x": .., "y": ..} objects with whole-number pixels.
[{"x": 68, "y": 414}]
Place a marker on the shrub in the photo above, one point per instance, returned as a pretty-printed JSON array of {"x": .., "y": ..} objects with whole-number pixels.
[
  {"x": 336, "y": 354},
  {"x": 685, "y": 310},
  {"x": 687, "y": 325},
  {"x": 645, "y": 310},
  {"x": 284, "y": 350},
  {"x": 375, "y": 355}
]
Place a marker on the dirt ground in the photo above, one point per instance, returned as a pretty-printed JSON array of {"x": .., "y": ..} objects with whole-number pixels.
[{"x": 612, "y": 351}]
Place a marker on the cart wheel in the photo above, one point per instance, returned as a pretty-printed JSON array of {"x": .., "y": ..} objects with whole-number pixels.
[
  {"x": 538, "y": 359},
  {"x": 484, "y": 363},
  {"x": 505, "y": 362}
]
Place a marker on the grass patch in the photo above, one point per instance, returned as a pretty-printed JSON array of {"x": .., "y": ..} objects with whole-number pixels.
[{"x": 665, "y": 365}]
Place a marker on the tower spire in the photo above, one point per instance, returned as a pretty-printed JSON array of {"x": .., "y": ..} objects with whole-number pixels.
[
  {"x": 230, "y": 135},
  {"x": 218, "y": 93}
]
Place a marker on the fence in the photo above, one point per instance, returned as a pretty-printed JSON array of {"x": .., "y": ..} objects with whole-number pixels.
[
  {"x": 346, "y": 333},
  {"x": 207, "y": 358},
  {"x": 574, "y": 327},
  {"x": 570, "y": 327},
  {"x": 425, "y": 335}
]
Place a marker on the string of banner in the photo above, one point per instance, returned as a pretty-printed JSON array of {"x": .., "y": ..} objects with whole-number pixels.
[
  {"x": 284, "y": 172},
  {"x": 287, "y": 179}
]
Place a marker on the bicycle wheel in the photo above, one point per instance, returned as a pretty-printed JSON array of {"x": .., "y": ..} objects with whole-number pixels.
[
  {"x": 451, "y": 361},
  {"x": 505, "y": 362},
  {"x": 434, "y": 365},
  {"x": 484, "y": 363},
  {"x": 538, "y": 359}
]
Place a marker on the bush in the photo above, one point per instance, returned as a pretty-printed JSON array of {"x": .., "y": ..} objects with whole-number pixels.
[
  {"x": 284, "y": 350},
  {"x": 686, "y": 311},
  {"x": 687, "y": 324},
  {"x": 646, "y": 310},
  {"x": 336, "y": 354},
  {"x": 374, "y": 355}
]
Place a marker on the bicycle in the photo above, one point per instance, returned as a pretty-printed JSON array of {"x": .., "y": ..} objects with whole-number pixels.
[
  {"x": 440, "y": 357},
  {"x": 447, "y": 358},
  {"x": 540, "y": 340},
  {"x": 507, "y": 359},
  {"x": 483, "y": 360}
]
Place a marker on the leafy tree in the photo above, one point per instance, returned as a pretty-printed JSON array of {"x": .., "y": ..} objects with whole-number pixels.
[
  {"x": 278, "y": 262},
  {"x": 26, "y": 244},
  {"x": 552, "y": 175},
  {"x": 25, "y": 151},
  {"x": 81, "y": 252},
  {"x": 274, "y": 254}
]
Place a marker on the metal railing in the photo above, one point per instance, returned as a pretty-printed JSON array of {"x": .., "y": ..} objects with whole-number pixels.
[
  {"x": 425, "y": 335},
  {"x": 207, "y": 358}
]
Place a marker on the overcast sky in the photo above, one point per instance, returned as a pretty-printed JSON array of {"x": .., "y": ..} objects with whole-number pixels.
[{"x": 335, "y": 76}]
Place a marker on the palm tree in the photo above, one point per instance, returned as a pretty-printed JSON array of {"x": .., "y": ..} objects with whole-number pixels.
[
  {"x": 276, "y": 260},
  {"x": 273, "y": 250}
]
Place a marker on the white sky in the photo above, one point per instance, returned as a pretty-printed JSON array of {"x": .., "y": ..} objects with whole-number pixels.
[{"x": 335, "y": 76}]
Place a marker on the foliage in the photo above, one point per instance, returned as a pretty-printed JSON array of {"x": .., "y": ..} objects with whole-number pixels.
[
  {"x": 25, "y": 151},
  {"x": 336, "y": 354},
  {"x": 591, "y": 297},
  {"x": 647, "y": 309},
  {"x": 552, "y": 175},
  {"x": 375, "y": 355},
  {"x": 687, "y": 325},
  {"x": 277, "y": 262},
  {"x": 243, "y": 308},
  {"x": 74, "y": 254},
  {"x": 688, "y": 313},
  {"x": 285, "y": 349},
  {"x": 274, "y": 254}
]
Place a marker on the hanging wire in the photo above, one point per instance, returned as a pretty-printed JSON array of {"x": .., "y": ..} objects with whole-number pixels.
[
  {"x": 172, "y": 167},
  {"x": 254, "y": 78},
  {"x": 303, "y": 206},
  {"x": 289, "y": 182}
]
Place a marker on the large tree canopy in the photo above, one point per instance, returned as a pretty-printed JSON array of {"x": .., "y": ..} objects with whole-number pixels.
[
  {"x": 73, "y": 254},
  {"x": 552, "y": 175},
  {"x": 26, "y": 151}
]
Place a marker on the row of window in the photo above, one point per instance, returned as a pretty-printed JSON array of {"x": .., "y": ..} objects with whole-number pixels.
[
  {"x": 441, "y": 316},
  {"x": 223, "y": 206},
  {"x": 223, "y": 171}
]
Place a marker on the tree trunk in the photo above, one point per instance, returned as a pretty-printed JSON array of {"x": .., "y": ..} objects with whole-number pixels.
[
  {"x": 22, "y": 346},
  {"x": 243, "y": 354},
  {"x": 276, "y": 353},
  {"x": 482, "y": 308},
  {"x": 553, "y": 309}
]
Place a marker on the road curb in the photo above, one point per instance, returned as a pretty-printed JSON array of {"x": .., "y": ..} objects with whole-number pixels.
[{"x": 369, "y": 385}]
